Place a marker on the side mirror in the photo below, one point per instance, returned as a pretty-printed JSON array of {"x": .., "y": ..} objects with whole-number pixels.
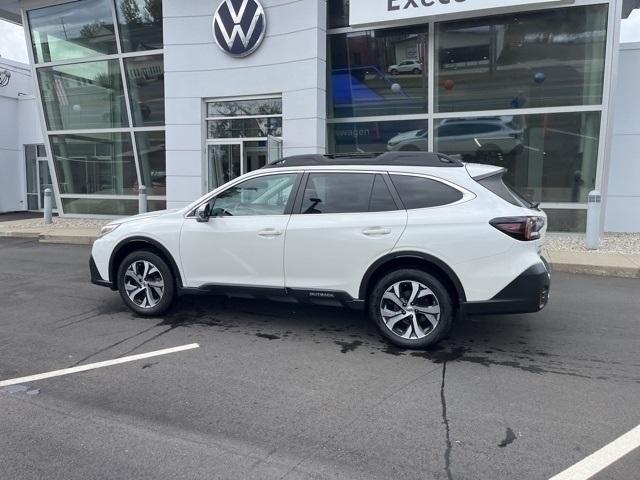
[{"x": 203, "y": 213}]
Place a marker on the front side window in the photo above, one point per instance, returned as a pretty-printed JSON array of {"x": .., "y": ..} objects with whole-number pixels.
[
  {"x": 266, "y": 195},
  {"x": 346, "y": 193},
  {"x": 420, "y": 192}
]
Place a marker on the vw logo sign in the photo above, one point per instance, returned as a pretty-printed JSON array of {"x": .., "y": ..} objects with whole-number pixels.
[{"x": 239, "y": 26}]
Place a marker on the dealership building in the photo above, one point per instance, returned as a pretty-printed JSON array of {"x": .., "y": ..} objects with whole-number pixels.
[{"x": 182, "y": 96}]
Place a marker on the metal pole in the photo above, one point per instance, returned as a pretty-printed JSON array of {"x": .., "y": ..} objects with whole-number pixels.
[
  {"x": 48, "y": 207},
  {"x": 142, "y": 199},
  {"x": 593, "y": 220}
]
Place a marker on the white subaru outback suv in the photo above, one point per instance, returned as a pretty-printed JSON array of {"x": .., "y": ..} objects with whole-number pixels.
[{"x": 415, "y": 238}]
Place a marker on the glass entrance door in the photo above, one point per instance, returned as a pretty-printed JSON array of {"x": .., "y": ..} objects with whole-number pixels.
[
  {"x": 224, "y": 163},
  {"x": 38, "y": 176}
]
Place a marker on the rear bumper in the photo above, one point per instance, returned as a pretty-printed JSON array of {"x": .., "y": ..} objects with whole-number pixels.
[
  {"x": 529, "y": 293},
  {"x": 96, "y": 279}
]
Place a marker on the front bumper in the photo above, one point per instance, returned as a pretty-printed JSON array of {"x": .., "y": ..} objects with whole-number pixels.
[
  {"x": 529, "y": 293},
  {"x": 96, "y": 279}
]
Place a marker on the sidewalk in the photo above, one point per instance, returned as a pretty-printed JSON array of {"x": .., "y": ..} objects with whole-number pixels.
[
  {"x": 619, "y": 256},
  {"x": 74, "y": 231}
]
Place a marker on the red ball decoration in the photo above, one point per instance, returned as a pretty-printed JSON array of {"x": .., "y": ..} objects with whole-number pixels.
[{"x": 449, "y": 84}]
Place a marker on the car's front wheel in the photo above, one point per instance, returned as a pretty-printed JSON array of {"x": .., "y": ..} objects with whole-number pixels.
[
  {"x": 412, "y": 308},
  {"x": 146, "y": 283}
]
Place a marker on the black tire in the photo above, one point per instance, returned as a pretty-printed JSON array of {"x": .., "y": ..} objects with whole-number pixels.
[
  {"x": 441, "y": 298},
  {"x": 417, "y": 71},
  {"x": 394, "y": 72},
  {"x": 164, "y": 300}
]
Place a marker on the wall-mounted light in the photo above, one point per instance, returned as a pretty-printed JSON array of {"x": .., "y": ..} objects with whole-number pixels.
[{"x": 5, "y": 76}]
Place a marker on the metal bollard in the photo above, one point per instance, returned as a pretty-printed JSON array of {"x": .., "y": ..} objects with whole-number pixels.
[
  {"x": 593, "y": 220},
  {"x": 142, "y": 199},
  {"x": 48, "y": 206}
]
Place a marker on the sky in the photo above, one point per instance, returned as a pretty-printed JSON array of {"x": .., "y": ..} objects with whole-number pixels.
[{"x": 13, "y": 45}]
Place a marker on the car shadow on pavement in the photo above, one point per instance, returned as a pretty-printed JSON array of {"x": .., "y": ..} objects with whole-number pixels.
[{"x": 517, "y": 341}]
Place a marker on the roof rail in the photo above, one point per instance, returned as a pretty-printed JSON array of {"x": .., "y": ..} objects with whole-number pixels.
[{"x": 409, "y": 159}]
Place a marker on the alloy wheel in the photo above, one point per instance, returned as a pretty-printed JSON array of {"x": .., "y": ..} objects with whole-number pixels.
[
  {"x": 410, "y": 310},
  {"x": 144, "y": 284}
]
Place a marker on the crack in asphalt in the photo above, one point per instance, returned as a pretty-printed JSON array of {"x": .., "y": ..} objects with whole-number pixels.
[
  {"x": 148, "y": 340},
  {"x": 120, "y": 342},
  {"x": 445, "y": 421}
]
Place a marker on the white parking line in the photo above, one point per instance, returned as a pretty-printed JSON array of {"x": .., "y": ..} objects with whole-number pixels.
[
  {"x": 604, "y": 457},
  {"x": 92, "y": 366}
]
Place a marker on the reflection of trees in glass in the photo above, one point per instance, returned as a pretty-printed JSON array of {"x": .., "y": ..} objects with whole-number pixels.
[
  {"x": 244, "y": 108},
  {"x": 131, "y": 12},
  {"x": 92, "y": 30},
  {"x": 151, "y": 11}
]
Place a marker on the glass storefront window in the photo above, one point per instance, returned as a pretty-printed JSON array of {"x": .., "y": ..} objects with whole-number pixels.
[
  {"x": 140, "y": 24},
  {"x": 100, "y": 163},
  {"x": 108, "y": 206},
  {"x": 83, "y": 95},
  {"x": 378, "y": 72},
  {"x": 338, "y": 13},
  {"x": 378, "y": 137},
  {"x": 72, "y": 30},
  {"x": 242, "y": 108},
  {"x": 145, "y": 78},
  {"x": 152, "y": 156},
  {"x": 549, "y": 157},
  {"x": 547, "y": 58},
  {"x": 573, "y": 221},
  {"x": 245, "y": 128}
]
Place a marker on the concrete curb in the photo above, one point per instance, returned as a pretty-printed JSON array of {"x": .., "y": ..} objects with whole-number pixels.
[
  {"x": 67, "y": 239},
  {"x": 597, "y": 270}
]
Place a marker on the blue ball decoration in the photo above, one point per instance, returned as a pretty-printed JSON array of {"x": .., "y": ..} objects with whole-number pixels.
[{"x": 539, "y": 78}]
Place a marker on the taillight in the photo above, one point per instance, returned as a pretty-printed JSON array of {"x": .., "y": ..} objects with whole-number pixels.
[{"x": 525, "y": 229}]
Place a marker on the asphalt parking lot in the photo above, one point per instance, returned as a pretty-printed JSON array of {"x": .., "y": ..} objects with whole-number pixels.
[{"x": 281, "y": 390}]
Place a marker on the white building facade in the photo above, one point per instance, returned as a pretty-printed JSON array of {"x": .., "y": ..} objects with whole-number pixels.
[
  {"x": 159, "y": 93},
  {"x": 20, "y": 137}
]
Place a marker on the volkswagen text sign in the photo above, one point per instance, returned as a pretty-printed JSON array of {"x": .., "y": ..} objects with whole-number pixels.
[
  {"x": 368, "y": 12},
  {"x": 239, "y": 26}
]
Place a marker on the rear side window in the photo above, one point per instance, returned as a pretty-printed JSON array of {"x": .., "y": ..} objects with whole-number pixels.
[
  {"x": 346, "y": 193},
  {"x": 495, "y": 184},
  {"x": 420, "y": 192}
]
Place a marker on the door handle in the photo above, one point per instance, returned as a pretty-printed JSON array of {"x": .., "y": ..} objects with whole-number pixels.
[
  {"x": 269, "y": 233},
  {"x": 376, "y": 231}
]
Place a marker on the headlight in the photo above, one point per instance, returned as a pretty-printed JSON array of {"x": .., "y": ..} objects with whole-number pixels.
[{"x": 107, "y": 229}]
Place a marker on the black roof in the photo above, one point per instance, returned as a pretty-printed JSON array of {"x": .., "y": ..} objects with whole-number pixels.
[{"x": 409, "y": 159}]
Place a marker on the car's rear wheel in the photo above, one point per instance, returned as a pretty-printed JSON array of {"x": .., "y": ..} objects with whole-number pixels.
[
  {"x": 417, "y": 71},
  {"x": 412, "y": 308},
  {"x": 146, "y": 283},
  {"x": 394, "y": 72}
]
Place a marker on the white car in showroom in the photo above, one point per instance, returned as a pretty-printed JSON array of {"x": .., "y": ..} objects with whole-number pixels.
[
  {"x": 414, "y": 238},
  {"x": 483, "y": 139},
  {"x": 408, "y": 66}
]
